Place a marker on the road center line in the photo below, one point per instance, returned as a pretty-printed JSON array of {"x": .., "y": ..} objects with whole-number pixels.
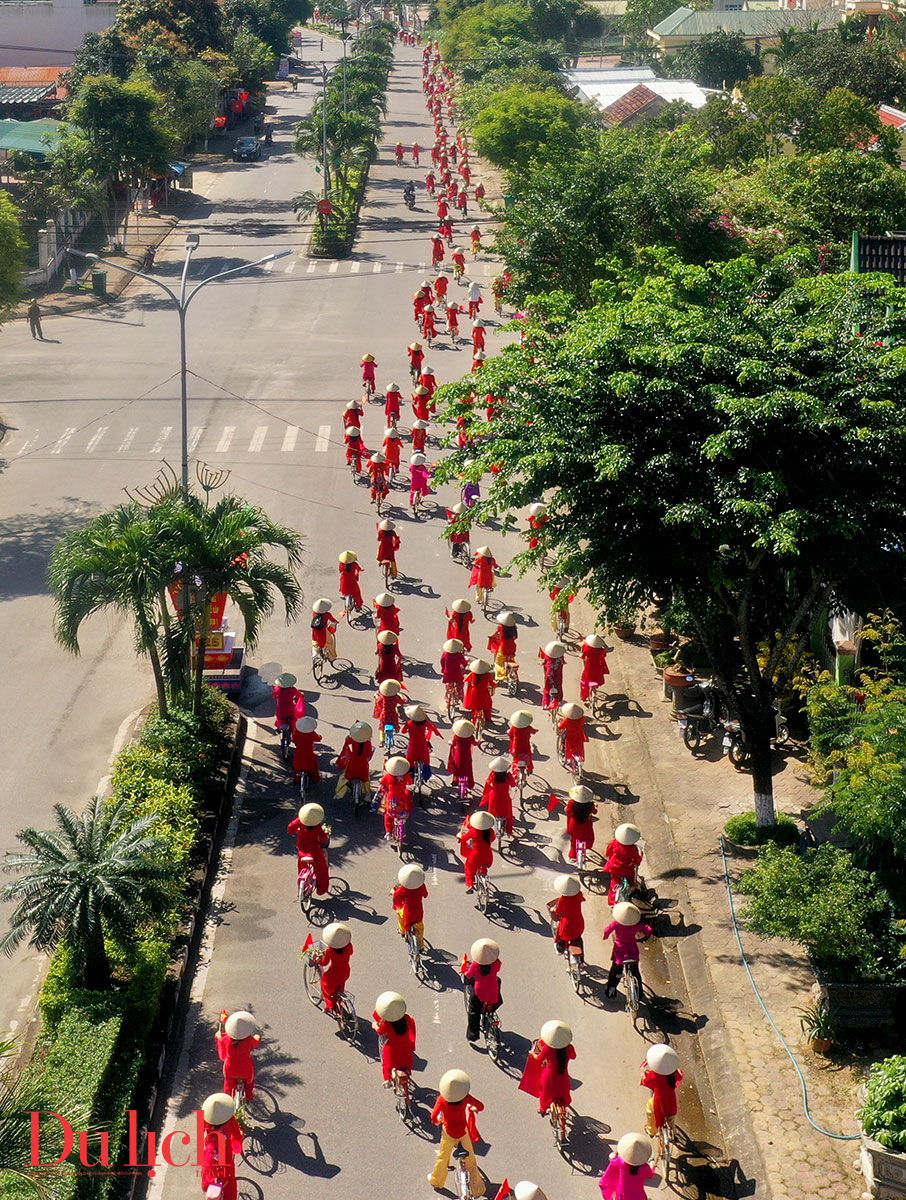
[
  {"x": 289, "y": 438},
  {"x": 323, "y": 439},
  {"x": 225, "y": 438}
]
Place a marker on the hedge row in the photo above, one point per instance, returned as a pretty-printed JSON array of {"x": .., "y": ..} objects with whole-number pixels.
[{"x": 93, "y": 1045}]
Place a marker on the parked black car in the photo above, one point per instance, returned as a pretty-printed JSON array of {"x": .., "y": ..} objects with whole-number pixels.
[{"x": 245, "y": 149}]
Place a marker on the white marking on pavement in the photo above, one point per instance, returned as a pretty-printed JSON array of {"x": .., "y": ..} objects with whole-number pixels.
[
  {"x": 435, "y": 1020},
  {"x": 489, "y": 268},
  {"x": 376, "y": 269},
  {"x": 398, "y": 268},
  {"x": 289, "y": 439},
  {"x": 257, "y": 439},
  {"x": 355, "y": 268},
  {"x": 13, "y": 1026},
  {"x": 128, "y": 439},
  {"x": 195, "y": 437},
  {"x": 323, "y": 439},
  {"x": 95, "y": 438},
  {"x": 291, "y": 267},
  {"x": 63, "y": 439},
  {"x": 27, "y": 445},
  {"x": 311, "y": 267},
  {"x": 269, "y": 266},
  {"x": 225, "y": 438},
  {"x": 334, "y": 267},
  {"x": 159, "y": 444},
  {"x": 24, "y": 1003}
]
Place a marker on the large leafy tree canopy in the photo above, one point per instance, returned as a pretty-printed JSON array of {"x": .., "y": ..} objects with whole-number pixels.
[
  {"x": 12, "y": 254},
  {"x": 715, "y": 435},
  {"x": 122, "y": 126},
  {"x": 520, "y": 124},
  {"x": 718, "y": 60}
]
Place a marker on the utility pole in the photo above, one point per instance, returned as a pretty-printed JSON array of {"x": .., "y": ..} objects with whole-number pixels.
[{"x": 324, "y": 129}]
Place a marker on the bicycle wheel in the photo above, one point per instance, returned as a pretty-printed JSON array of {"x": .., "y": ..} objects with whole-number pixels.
[
  {"x": 285, "y": 744},
  {"x": 521, "y": 786},
  {"x": 311, "y": 978},
  {"x": 463, "y": 1182},
  {"x": 574, "y": 966},
  {"x": 665, "y": 1148},
  {"x": 401, "y": 1091},
  {"x": 304, "y": 785},
  {"x": 561, "y": 750},
  {"x": 692, "y": 736},
  {"x": 558, "y": 1124},
  {"x": 580, "y": 857},
  {"x": 415, "y": 954},
  {"x": 306, "y": 888},
  {"x": 512, "y": 682},
  {"x": 451, "y": 706},
  {"x": 492, "y": 1036},
  {"x": 346, "y": 1016},
  {"x": 355, "y": 791},
  {"x": 632, "y": 993},
  {"x": 350, "y": 609},
  {"x": 481, "y": 892},
  {"x": 317, "y": 665},
  {"x": 389, "y": 738}
]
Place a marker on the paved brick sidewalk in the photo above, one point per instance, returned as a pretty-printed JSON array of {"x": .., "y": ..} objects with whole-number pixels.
[{"x": 681, "y": 803}]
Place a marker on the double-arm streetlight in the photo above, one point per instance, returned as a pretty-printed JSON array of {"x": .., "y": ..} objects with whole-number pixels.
[{"x": 181, "y": 303}]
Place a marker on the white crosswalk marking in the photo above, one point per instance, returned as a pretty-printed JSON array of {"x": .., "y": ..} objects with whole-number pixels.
[
  {"x": 63, "y": 439},
  {"x": 323, "y": 439},
  {"x": 225, "y": 438},
  {"x": 398, "y": 268},
  {"x": 26, "y": 446},
  {"x": 194, "y": 437},
  {"x": 489, "y": 268},
  {"x": 161, "y": 438},
  {"x": 355, "y": 268},
  {"x": 334, "y": 267},
  {"x": 95, "y": 439},
  {"x": 311, "y": 267},
  {"x": 289, "y": 439},
  {"x": 376, "y": 269},
  {"x": 128, "y": 439},
  {"x": 269, "y": 266},
  {"x": 257, "y": 439},
  {"x": 291, "y": 267}
]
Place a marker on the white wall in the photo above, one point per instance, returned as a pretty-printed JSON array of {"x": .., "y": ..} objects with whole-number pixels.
[{"x": 54, "y": 30}]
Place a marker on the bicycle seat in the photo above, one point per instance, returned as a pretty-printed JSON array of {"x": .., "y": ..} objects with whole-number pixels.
[{"x": 459, "y": 1151}]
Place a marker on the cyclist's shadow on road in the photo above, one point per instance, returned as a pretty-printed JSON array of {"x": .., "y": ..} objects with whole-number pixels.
[{"x": 279, "y": 1149}]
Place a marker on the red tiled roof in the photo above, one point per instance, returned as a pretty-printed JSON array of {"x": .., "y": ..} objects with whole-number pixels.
[
  {"x": 891, "y": 116},
  {"x": 630, "y": 104},
  {"x": 32, "y": 76}
]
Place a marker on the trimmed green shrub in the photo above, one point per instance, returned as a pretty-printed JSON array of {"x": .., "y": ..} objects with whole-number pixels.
[
  {"x": 743, "y": 830},
  {"x": 883, "y": 1115}
]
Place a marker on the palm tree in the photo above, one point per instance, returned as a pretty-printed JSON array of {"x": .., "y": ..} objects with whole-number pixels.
[
  {"x": 95, "y": 873},
  {"x": 224, "y": 549},
  {"x": 115, "y": 561}
]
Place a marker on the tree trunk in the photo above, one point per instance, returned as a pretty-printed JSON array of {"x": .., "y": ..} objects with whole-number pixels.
[
  {"x": 149, "y": 635},
  {"x": 97, "y": 974},
  {"x": 200, "y": 653},
  {"x": 759, "y": 734}
]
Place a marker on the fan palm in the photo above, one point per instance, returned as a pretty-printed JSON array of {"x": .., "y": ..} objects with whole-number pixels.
[
  {"x": 224, "y": 549},
  {"x": 99, "y": 872},
  {"x": 115, "y": 561}
]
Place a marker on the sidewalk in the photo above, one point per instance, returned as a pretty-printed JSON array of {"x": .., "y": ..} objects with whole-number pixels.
[{"x": 681, "y": 803}]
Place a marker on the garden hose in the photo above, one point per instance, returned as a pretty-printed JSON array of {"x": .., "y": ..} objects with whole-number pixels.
[{"x": 840, "y": 1137}]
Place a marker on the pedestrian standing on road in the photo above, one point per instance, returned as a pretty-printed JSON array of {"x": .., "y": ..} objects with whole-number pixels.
[
  {"x": 451, "y": 1112},
  {"x": 34, "y": 320},
  {"x": 546, "y": 1073},
  {"x": 480, "y": 971},
  {"x": 396, "y": 1029},
  {"x": 629, "y": 1171}
]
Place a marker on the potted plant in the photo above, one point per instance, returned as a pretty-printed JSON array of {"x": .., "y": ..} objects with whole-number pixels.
[
  {"x": 883, "y": 1120},
  {"x": 624, "y": 621},
  {"x": 817, "y": 1022}
]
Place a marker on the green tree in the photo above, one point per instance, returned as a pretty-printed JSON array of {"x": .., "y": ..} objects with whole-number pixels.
[
  {"x": 121, "y": 126},
  {"x": 520, "y": 124},
  {"x": 12, "y": 255},
  {"x": 269, "y": 20},
  {"x": 187, "y": 89},
  {"x": 844, "y": 121},
  {"x": 734, "y": 137},
  {"x": 195, "y": 22},
  {"x": 494, "y": 57},
  {"x": 718, "y": 60},
  {"x": 709, "y": 434},
  {"x": 642, "y": 15},
  {"x": 252, "y": 59},
  {"x": 99, "y": 54},
  {"x": 780, "y": 106},
  {"x": 117, "y": 562},
  {"x": 224, "y": 548},
  {"x": 872, "y": 69},
  {"x": 507, "y": 23},
  {"x": 95, "y": 874}
]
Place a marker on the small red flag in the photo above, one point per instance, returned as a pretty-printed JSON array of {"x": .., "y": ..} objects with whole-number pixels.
[
  {"x": 309, "y": 941},
  {"x": 504, "y": 1190},
  {"x": 552, "y": 803},
  {"x": 464, "y": 964}
]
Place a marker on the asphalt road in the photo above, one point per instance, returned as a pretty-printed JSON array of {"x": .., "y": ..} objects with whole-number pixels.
[{"x": 274, "y": 358}]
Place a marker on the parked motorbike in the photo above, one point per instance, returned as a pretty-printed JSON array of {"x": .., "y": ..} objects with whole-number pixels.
[
  {"x": 148, "y": 260},
  {"x": 736, "y": 746},
  {"x": 701, "y": 713},
  {"x": 409, "y": 197}
]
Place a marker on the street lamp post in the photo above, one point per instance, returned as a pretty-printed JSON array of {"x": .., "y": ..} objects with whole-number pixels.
[{"x": 181, "y": 303}]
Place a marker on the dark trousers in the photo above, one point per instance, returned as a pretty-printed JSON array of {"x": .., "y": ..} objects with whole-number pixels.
[
  {"x": 561, "y": 946},
  {"x": 616, "y": 971},
  {"x": 474, "y": 1009}
]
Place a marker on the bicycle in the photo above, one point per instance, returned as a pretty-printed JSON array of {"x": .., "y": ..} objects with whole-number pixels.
[
  {"x": 581, "y": 855},
  {"x": 490, "y": 1031},
  {"x": 512, "y": 678},
  {"x": 387, "y": 569},
  {"x": 462, "y": 1177},
  {"x": 285, "y": 741},
  {"x": 400, "y": 1081},
  {"x": 388, "y": 737},
  {"x": 632, "y": 992},
  {"x": 452, "y": 698},
  {"x": 553, "y": 706},
  {"x": 351, "y": 608},
  {"x": 521, "y": 781},
  {"x": 378, "y": 498},
  {"x": 482, "y": 889},
  {"x": 562, "y": 624},
  {"x": 664, "y": 1149},
  {"x": 483, "y": 597},
  {"x": 624, "y": 891},
  {"x": 318, "y": 661},
  {"x": 306, "y": 883},
  {"x": 501, "y": 831},
  {"x": 462, "y": 782},
  {"x": 398, "y": 836},
  {"x": 418, "y": 781},
  {"x": 597, "y": 701},
  {"x": 416, "y": 505},
  {"x": 414, "y": 951},
  {"x": 558, "y": 1115},
  {"x": 570, "y": 762},
  {"x": 369, "y": 389},
  {"x": 357, "y": 795},
  {"x": 305, "y": 785},
  {"x": 480, "y": 722}
]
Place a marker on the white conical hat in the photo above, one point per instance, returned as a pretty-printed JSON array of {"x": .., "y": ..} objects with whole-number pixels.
[
  {"x": 582, "y": 794},
  {"x": 567, "y": 885},
  {"x": 410, "y": 876},
  {"x": 397, "y": 766},
  {"x": 461, "y": 606},
  {"x": 528, "y": 1191},
  {"x": 311, "y": 815},
  {"x": 241, "y": 1024},
  {"x": 595, "y": 641},
  {"x": 463, "y": 728},
  {"x": 384, "y": 600},
  {"x": 348, "y": 556},
  {"x": 556, "y": 1034},
  {"x": 521, "y": 719},
  {"x": 484, "y": 952},
  {"x": 453, "y": 646},
  {"x": 306, "y": 724},
  {"x": 218, "y": 1108},
  {"x": 415, "y": 712},
  {"x": 417, "y": 460},
  {"x": 321, "y": 606},
  {"x": 554, "y": 649},
  {"x": 626, "y": 914},
  {"x": 506, "y": 618},
  {"x": 627, "y": 835},
  {"x": 390, "y": 1006},
  {"x": 634, "y": 1149},
  {"x": 337, "y": 935},
  {"x": 390, "y": 687},
  {"x": 360, "y": 731},
  {"x": 499, "y": 764},
  {"x": 377, "y": 457},
  {"x": 387, "y": 637},
  {"x": 454, "y": 1086},
  {"x": 535, "y": 510},
  {"x": 662, "y": 1059},
  {"x": 481, "y": 819},
  {"x": 483, "y": 552},
  {"x": 480, "y": 666},
  {"x": 287, "y": 679},
  {"x": 572, "y": 712}
]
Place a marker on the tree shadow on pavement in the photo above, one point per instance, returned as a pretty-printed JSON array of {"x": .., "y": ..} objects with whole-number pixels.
[{"x": 27, "y": 540}]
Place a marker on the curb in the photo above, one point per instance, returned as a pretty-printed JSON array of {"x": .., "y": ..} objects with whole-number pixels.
[{"x": 716, "y": 1074}]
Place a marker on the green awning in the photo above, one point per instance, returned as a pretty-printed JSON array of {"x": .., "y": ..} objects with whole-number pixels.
[{"x": 28, "y": 137}]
